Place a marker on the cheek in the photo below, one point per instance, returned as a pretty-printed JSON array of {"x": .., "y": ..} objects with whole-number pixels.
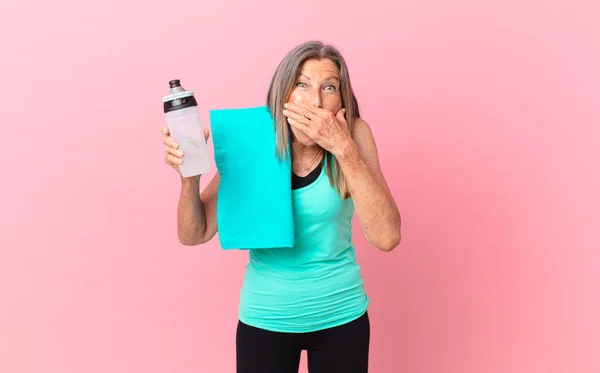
[
  {"x": 332, "y": 102},
  {"x": 297, "y": 96}
]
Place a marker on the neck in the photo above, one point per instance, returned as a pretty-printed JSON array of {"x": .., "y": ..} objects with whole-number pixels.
[
  {"x": 302, "y": 150},
  {"x": 305, "y": 158}
]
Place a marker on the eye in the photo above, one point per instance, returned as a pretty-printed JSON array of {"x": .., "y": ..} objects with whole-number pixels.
[
  {"x": 330, "y": 87},
  {"x": 301, "y": 84}
]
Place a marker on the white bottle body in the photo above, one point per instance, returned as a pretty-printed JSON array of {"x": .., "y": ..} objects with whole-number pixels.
[{"x": 185, "y": 126}]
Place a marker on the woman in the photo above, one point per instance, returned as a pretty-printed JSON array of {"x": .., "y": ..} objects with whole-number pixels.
[{"x": 311, "y": 297}]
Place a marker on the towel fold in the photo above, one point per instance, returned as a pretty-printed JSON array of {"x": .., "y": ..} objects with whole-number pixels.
[{"x": 254, "y": 203}]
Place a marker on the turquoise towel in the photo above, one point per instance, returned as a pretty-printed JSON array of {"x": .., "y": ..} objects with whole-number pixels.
[{"x": 254, "y": 204}]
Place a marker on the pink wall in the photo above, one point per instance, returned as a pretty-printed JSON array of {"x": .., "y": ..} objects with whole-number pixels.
[{"x": 487, "y": 118}]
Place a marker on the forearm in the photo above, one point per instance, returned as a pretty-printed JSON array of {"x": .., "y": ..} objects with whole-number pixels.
[
  {"x": 375, "y": 207},
  {"x": 191, "y": 219}
]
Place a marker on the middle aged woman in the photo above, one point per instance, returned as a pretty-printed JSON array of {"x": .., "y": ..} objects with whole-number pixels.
[{"x": 310, "y": 297}]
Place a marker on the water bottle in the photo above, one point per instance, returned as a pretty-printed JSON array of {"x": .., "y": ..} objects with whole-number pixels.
[{"x": 185, "y": 126}]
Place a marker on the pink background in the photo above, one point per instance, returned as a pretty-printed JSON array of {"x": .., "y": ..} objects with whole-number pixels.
[{"x": 487, "y": 119}]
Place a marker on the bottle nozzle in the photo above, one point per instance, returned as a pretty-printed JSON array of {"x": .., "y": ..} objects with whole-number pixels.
[{"x": 178, "y": 98}]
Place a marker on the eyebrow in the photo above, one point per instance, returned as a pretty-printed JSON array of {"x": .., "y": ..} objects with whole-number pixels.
[{"x": 332, "y": 77}]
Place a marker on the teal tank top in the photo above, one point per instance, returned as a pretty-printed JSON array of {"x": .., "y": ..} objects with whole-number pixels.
[{"x": 315, "y": 285}]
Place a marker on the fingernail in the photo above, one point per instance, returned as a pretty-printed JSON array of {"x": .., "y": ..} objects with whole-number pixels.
[{"x": 286, "y": 105}]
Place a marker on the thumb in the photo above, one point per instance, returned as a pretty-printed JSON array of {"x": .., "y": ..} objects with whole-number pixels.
[
  {"x": 341, "y": 114},
  {"x": 206, "y": 133}
]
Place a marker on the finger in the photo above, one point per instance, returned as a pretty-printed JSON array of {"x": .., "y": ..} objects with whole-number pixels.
[
  {"x": 165, "y": 130},
  {"x": 173, "y": 160},
  {"x": 176, "y": 152},
  {"x": 300, "y": 109},
  {"x": 302, "y": 127},
  {"x": 169, "y": 141},
  {"x": 206, "y": 133},
  {"x": 301, "y": 119},
  {"x": 341, "y": 114},
  {"x": 319, "y": 112}
]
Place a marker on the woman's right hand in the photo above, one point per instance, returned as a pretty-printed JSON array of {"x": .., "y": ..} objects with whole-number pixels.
[{"x": 174, "y": 155}]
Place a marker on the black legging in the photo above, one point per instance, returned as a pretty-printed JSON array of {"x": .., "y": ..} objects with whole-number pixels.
[{"x": 343, "y": 348}]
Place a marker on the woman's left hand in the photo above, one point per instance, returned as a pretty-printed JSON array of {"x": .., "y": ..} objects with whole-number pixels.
[{"x": 329, "y": 131}]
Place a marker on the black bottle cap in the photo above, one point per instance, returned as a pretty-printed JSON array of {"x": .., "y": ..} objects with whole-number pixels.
[
  {"x": 174, "y": 83},
  {"x": 179, "y": 103}
]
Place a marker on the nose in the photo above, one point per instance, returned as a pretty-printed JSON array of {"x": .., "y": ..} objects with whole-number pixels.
[{"x": 315, "y": 98}]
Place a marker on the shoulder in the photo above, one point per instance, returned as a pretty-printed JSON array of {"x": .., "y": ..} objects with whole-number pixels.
[
  {"x": 365, "y": 143},
  {"x": 361, "y": 128},
  {"x": 363, "y": 137}
]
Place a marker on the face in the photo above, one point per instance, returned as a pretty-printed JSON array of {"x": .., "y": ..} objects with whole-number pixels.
[{"x": 317, "y": 84}]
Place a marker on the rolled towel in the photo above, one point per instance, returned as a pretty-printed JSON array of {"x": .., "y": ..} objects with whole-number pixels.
[{"x": 254, "y": 203}]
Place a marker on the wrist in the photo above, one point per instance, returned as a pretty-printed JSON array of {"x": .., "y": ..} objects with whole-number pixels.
[
  {"x": 346, "y": 151},
  {"x": 190, "y": 182}
]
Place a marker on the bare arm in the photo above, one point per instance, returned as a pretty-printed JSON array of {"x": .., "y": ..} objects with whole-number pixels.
[
  {"x": 197, "y": 213},
  {"x": 357, "y": 154},
  {"x": 375, "y": 207}
]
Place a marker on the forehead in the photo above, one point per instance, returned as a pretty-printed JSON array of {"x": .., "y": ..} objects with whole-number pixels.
[{"x": 323, "y": 66}]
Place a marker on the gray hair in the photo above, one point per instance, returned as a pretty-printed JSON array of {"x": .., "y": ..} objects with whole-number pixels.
[{"x": 282, "y": 85}]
